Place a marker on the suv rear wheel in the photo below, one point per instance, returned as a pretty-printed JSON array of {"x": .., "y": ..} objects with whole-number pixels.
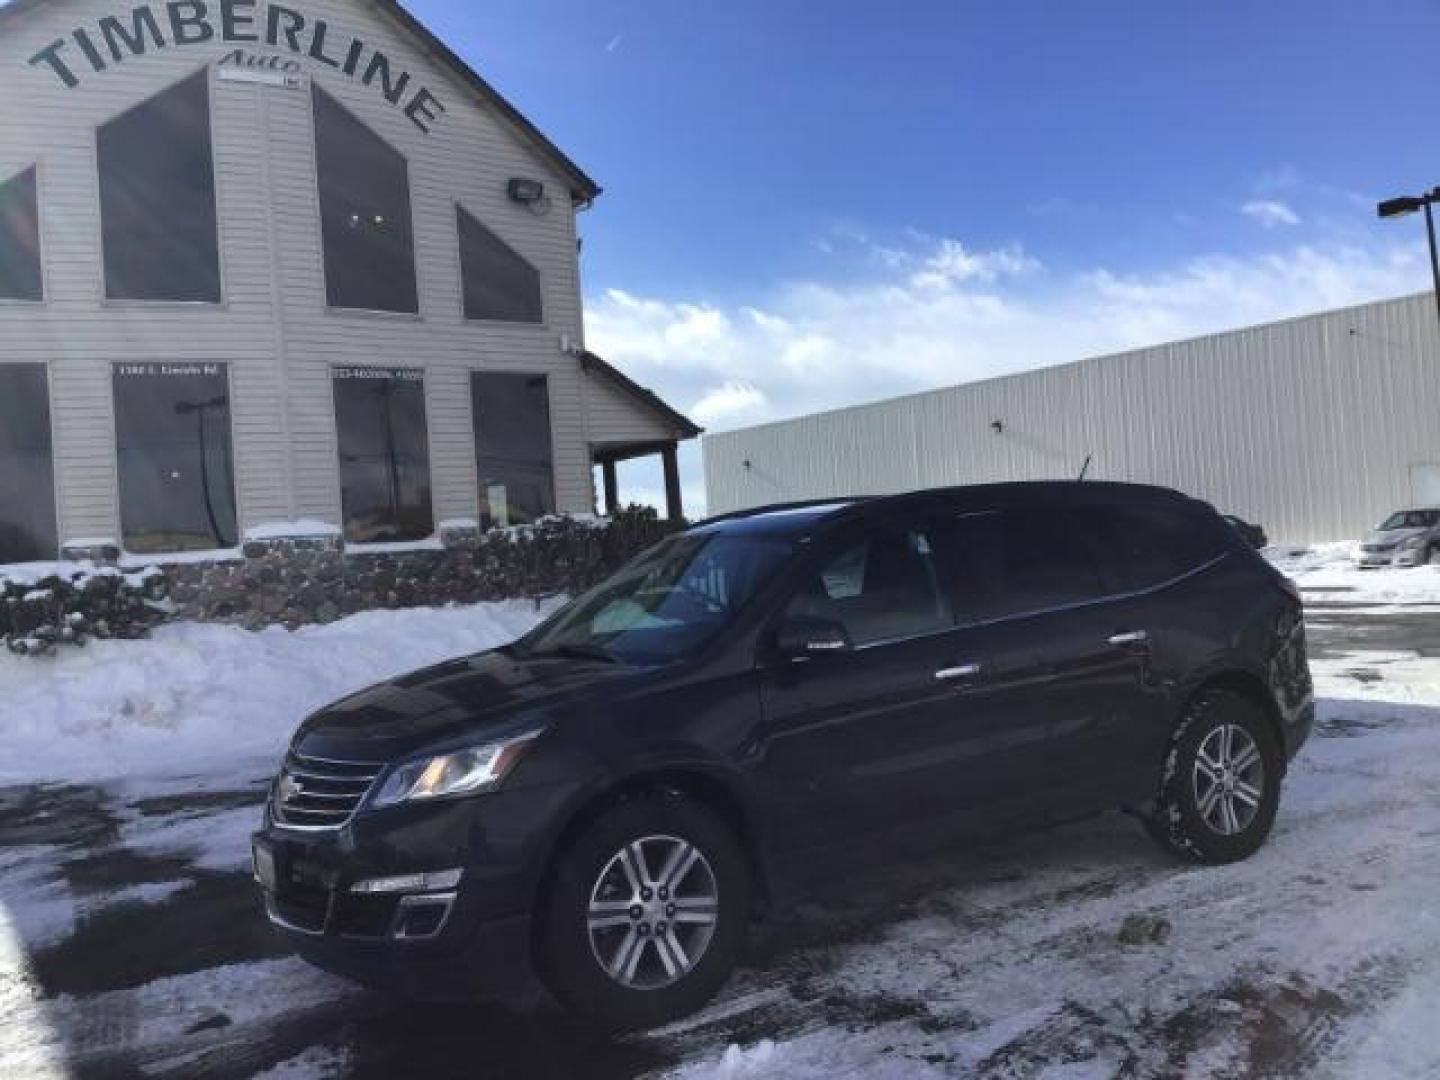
[
  {"x": 647, "y": 914},
  {"x": 1221, "y": 784}
]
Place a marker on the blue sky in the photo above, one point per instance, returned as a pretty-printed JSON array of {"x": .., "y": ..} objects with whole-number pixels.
[
  {"x": 813, "y": 204},
  {"x": 729, "y": 136}
]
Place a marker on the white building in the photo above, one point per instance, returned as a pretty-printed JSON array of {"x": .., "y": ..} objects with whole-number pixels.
[
  {"x": 264, "y": 263},
  {"x": 1314, "y": 427}
]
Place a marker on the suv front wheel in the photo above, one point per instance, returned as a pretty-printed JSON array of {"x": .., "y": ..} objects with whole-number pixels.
[
  {"x": 1221, "y": 783},
  {"x": 647, "y": 914}
]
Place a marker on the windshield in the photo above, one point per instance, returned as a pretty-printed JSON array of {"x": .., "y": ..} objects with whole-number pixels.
[
  {"x": 1411, "y": 519},
  {"x": 665, "y": 604}
]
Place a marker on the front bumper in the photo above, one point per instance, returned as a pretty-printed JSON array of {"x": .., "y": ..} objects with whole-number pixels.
[
  {"x": 462, "y": 934},
  {"x": 1397, "y": 557}
]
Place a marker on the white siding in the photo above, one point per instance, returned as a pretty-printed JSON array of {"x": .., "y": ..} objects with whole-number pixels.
[
  {"x": 273, "y": 328},
  {"x": 1309, "y": 426}
]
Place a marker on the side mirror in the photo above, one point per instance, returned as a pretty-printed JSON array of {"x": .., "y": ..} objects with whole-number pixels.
[{"x": 809, "y": 636}]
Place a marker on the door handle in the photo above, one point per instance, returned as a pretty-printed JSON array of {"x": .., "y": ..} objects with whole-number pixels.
[
  {"x": 1130, "y": 639},
  {"x": 960, "y": 671}
]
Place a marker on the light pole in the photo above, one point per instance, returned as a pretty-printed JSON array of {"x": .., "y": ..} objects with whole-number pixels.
[{"x": 1408, "y": 204}]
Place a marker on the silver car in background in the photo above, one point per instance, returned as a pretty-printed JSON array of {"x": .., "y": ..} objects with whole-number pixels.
[{"x": 1405, "y": 538}]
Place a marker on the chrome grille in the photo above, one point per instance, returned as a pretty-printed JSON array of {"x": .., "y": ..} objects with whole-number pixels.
[{"x": 320, "y": 793}]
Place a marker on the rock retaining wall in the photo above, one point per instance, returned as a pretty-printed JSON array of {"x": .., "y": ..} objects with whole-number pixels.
[
  {"x": 302, "y": 580},
  {"x": 299, "y": 580}
]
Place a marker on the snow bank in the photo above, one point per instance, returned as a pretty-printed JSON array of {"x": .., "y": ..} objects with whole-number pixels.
[
  {"x": 199, "y": 699},
  {"x": 1328, "y": 572}
]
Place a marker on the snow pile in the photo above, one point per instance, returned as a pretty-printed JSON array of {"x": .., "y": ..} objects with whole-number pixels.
[{"x": 197, "y": 699}]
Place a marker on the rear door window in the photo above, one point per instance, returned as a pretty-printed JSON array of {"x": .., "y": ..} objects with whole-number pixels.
[
  {"x": 885, "y": 587},
  {"x": 1016, "y": 562}
]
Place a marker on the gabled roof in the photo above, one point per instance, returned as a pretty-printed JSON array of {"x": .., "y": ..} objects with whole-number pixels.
[
  {"x": 582, "y": 188},
  {"x": 685, "y": 428}
]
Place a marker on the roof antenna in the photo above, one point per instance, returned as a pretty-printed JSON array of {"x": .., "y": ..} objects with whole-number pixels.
[{"x": 1084, "y": 468}]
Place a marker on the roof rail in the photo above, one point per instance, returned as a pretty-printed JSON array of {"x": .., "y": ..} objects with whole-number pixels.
[{"x": 775, "y": 508}]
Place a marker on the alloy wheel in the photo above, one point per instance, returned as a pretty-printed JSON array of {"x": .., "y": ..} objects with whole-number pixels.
[
  {"x": 653, "y": 912},
  {"x": 1229, "y": 779}
]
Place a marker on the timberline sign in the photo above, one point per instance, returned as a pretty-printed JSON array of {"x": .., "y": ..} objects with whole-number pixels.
[{"x": 117, "y": 38}]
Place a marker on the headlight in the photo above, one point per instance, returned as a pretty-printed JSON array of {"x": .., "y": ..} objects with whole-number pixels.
[
  {"x": 1413, "y": 543},
  {"x": 461, "y": 772}
]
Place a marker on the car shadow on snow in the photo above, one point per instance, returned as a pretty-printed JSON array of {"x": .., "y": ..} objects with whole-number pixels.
[{"x": 200, "y": 923}]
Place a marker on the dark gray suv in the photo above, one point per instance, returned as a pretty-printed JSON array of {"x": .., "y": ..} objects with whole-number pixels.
[{"x": 773, "y": 698}]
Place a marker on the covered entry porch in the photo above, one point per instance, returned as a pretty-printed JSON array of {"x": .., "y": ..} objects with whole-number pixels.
[{"x": 629, "y": 422}]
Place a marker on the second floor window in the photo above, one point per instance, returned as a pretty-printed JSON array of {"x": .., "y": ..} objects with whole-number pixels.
[
  {"x": 498, "y": 282},
  {"x": 20, "y": 238},
  {"x": 364, "y": 214},
  {"x": 157, "y": 198}
]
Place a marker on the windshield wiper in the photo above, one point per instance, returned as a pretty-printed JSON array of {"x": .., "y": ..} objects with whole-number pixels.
[{"x": 580, "y": 652}]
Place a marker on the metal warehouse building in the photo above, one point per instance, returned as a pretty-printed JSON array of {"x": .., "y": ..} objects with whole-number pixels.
[
  {"x": 268, "y": 265},
  {"x": 1315, "y": 427}
]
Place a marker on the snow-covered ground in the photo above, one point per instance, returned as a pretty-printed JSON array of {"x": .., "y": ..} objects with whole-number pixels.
[
  {"x": 130, "y": 944},
  {"x": 1328, "y": 572}
]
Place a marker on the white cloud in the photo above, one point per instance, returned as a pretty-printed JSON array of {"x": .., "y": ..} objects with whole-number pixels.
[
  {"x": 952, "y": 264},
  {"x": 813, "y": 345},
  {"x": 727, "y": 403},
  {"x": 1270, "y": 212}
]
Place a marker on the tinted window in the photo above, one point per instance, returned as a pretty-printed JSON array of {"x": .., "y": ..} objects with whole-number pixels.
[
  {"x": 1017, "y": 561},
  {"x": 1411, "y": 519},
  {"x": 20, "y": 238},
  {"x": 384, "y": 454},
  {"x": 177, "y": 476},
  {"x": 499, "y": 284},
  {"x": 157, "y": 198},
  {"x": 1147, "y": 545},
  {"x": 512, "y": 448},
  {"x": 27, "y": 476},
  {"x": 882, "y": 588},
  {"x": 364, "y": 214},
  {"x": 667, "y": 602}
]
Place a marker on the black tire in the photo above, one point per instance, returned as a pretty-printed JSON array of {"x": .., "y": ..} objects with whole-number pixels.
[
  {"x": 1177, "y": 822},
  {"x": 569, "y": 963}
]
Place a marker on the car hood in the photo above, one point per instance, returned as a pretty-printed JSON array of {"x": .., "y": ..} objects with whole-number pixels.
[
  {"x": 1393, "y": 536},
  {"x": 473, "y": 696}
]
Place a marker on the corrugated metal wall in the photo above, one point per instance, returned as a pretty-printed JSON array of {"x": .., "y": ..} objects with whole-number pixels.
[{"x": 1311, "y": 426}]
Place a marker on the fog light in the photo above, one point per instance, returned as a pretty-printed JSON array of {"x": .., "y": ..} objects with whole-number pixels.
[
  {"x": 420, "y": 917},
  {"x": 409, "y": 883}
]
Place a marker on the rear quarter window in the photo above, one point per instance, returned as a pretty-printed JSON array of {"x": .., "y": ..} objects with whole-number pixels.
[{"x": 1145, "y": 546}]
